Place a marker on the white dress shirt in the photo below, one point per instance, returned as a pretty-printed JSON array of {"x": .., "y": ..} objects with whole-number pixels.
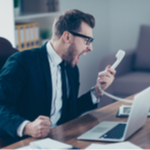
[
  {"x": 54, "y": 61},
  {"x": 56, "y": 105}
]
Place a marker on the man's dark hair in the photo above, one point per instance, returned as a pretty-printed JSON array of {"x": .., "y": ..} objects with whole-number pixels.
[{"x": 71, "y": 21}]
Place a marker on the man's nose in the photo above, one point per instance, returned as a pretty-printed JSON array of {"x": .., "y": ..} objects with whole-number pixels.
[{"x": 90, "y": 47}]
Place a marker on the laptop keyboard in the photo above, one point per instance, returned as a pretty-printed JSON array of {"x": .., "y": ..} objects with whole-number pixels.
[{"x": 115, "y": 133}]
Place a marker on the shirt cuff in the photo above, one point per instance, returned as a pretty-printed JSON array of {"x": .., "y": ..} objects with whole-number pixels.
[
  {"x": 95, "y": 96},
  {"x": 21, "y": 128}
]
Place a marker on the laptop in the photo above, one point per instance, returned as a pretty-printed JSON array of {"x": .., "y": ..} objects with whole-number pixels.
[{"x": 120, "y": 131}]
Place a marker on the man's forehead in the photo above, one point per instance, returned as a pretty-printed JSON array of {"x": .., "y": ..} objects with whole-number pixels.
[{"x": 86, "y": 29}]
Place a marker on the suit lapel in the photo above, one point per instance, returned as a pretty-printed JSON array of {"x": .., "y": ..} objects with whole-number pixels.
[{"x": 47, "y": 77}]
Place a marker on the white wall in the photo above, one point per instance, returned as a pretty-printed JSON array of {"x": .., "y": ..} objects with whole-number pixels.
[
  {"x": 117, "y": 26},
  {"x": 126, "y": 17},
  {"x": 7, "y": 20}
]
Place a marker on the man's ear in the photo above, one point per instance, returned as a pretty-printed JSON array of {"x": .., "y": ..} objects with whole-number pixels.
[{"x": 66, "y": 37}]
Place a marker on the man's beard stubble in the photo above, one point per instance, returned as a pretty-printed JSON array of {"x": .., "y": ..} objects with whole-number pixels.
[{"x": 70, "y": 55}]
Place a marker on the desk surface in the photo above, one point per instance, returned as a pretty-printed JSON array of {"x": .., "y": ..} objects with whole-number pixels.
[{"x": 69, "y": 132}]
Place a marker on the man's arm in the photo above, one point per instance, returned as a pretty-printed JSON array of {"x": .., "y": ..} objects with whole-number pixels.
[
  {"x": 12, "y": 80},
  {"x": 85, "y": 102}
]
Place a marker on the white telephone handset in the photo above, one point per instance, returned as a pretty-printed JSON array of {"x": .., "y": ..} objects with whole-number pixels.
[{"x": 120, "y": 55}]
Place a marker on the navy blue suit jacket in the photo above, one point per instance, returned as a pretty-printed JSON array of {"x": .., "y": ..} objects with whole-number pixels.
[{"x": 26, "y": 92}]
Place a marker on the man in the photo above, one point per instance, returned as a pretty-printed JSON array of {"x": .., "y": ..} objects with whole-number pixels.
[{"x": 37, "y": 93}]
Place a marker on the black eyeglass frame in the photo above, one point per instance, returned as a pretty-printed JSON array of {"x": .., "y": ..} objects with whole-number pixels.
[{"x": 88, "y": 42}]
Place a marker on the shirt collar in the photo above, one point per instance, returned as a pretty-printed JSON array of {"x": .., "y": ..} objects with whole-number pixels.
[{"x": 52, "y": 55}]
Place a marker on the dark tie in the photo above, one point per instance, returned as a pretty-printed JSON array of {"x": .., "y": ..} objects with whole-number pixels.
[
  {"x": 66, "y": 113},
  {"x": 64, "y": 94},
  {"x": 63, "y": 78}
]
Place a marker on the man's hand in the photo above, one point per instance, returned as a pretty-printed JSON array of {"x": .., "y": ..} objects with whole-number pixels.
[
  {"x": 39, "y": 128},
  {"x": 105, "y": 78}
]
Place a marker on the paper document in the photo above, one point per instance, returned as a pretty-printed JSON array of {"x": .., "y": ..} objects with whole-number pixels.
[
  {"x": 49, "y": 144},
  {"x": 24, "y": 147},
  {"x": 123, "y": 145}
]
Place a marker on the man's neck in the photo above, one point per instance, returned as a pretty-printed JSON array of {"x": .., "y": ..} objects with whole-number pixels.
[{"x": 58, "y": 46}]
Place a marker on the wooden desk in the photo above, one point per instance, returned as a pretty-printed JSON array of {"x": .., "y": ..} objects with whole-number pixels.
[{"x": 69, "y": 132}]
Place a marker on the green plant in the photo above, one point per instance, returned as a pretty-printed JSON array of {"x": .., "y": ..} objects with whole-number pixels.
[
  {"x": 16, "y": 3},
  {"x": 45, "y": 33}
]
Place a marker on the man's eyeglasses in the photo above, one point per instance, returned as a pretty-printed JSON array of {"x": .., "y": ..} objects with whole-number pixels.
[{"x": 89, "y": 39}]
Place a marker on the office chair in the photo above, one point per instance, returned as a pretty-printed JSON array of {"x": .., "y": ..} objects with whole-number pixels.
[{"x": 6, "y": 50}]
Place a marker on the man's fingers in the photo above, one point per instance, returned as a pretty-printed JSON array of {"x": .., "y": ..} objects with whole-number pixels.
[
  {"x": 106, "y": 73},
  {"x": 43, "y": 118},
  {"x": 44, "y": 123},
  {"x": 42, "y": 133},
  {"x": 104, "y": 79},
  {"x": 111, "y": 71},
  {"x": 43, "y": 130}
]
